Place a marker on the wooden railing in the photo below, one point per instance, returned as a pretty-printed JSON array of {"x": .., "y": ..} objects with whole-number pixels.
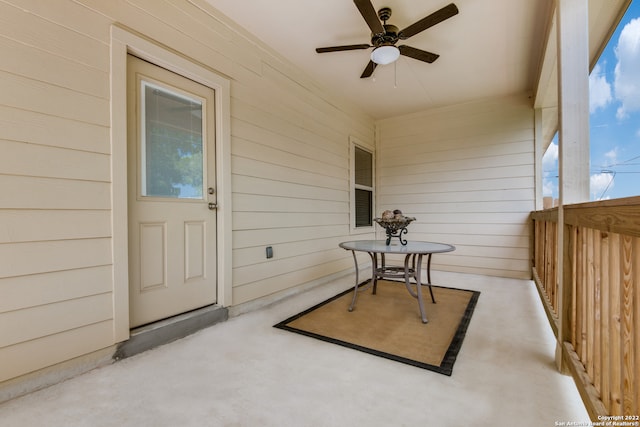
[
  {"x": 594, "y": 307},
  {"x": 544, "y": 262}
]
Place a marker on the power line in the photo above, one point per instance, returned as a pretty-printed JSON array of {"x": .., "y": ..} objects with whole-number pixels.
[
  {"x": 624, "y": 163},
  {"x": 633, "y": 158},
  {"x": 613, "y": 175}
]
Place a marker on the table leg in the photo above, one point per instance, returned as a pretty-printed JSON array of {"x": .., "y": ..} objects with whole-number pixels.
[
  {"x": 429, "y": 278},
  {"x": 364, "y": 284},
  {"x": 418, "y": 285},
  {"x": 355, "y": 289},
  {"x": 407, "y": 274},
  {"x": 374, "y": 270}
]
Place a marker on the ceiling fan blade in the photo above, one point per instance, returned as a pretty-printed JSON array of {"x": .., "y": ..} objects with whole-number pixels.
[
  {"x": 420, "y": 55},
  {"x": 368, "y": 71},
  {"x": 429, "y": 21},
  {"x": 341, "y": 48},
  {"x": 370, "y": 16}
]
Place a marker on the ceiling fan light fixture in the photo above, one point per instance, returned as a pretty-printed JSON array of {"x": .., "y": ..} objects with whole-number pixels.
[{"x": 384, "y": 55}]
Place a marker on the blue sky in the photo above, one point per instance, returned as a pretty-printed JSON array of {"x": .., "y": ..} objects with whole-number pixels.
[{"x": 614, "y": 86}]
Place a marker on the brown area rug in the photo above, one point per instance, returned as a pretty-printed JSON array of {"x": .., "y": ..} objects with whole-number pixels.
[{"x": 388, "y": 324}]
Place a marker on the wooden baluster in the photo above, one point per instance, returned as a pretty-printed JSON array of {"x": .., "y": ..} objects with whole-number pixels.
[
  {"x": 615, "y": 344},
  {"x": 589, "y": 283},
  {"x": 605, "y": 329},
  {"x": 580, "y": 297},
  {"x": 635, "y": 409},
  {"x": 626, "y": 326},
  {"x": 573, "y": 235},
  {"x": 597, "y": 310}
]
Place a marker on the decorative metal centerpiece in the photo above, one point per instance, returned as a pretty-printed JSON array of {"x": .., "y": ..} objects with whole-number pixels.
[{"x": 395, "y": 224}]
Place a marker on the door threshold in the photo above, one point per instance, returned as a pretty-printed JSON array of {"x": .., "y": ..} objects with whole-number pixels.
[{"x": 165, "y": 331}]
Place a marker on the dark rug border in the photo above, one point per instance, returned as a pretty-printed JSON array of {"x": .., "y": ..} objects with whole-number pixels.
[{"x": 445, "y": 368}]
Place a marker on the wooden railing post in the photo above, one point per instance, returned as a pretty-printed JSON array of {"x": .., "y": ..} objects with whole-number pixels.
[
  {"x": 573, "y": 137},
  {"x": 566, "y": 267}
]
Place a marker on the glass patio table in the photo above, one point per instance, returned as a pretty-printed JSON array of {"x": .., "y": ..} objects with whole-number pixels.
[{"x": 413, "y": 253}]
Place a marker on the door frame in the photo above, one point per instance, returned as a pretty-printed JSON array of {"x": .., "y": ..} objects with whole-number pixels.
[{"x": 124, "y": 42}]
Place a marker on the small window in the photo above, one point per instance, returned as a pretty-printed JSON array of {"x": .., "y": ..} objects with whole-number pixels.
[{"x": 362, "y": 188}]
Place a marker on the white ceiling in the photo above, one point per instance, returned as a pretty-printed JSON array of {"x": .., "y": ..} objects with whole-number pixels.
[{"x": 491, "y": 48}]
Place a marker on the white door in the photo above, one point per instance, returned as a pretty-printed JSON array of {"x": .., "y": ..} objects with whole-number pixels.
[{"x": 171, "y": 193}]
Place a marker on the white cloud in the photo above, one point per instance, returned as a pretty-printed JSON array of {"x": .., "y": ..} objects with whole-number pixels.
[
  {"x": 549, "y": 188},
  {"x": 550, "y": 171},
  {"x": 627, "y": 71},
  {"x": 612, "y": 156},
  {"x": 550, "y": 158},
  {"x": 599, "y": 89},
  {"x": 601, "y": 182}
]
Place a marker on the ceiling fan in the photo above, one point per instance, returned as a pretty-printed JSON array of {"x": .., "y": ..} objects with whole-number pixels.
[{"x": 385, "y": 36}]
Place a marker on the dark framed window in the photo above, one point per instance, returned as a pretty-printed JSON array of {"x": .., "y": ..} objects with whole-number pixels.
[
  {"x": 364, "y": 207},
  {"x": 363, "y": 186}
]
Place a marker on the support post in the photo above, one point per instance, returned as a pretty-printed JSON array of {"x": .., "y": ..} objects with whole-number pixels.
[
  {"x": 538, "y": 154},
  {"x": 573, "y": 142}
]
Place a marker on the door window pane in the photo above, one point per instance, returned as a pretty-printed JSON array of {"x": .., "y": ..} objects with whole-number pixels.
[{"x": 172, "y": 152}]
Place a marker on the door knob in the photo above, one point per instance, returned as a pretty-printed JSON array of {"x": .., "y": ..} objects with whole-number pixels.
[{"x": 213, "y": 206}]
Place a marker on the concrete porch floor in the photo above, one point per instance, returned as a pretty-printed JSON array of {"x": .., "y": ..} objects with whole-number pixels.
[{"x": 243, "y": 372}]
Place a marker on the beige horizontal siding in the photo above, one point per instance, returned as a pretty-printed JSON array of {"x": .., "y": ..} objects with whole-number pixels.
[
  {"x": 436, "y": 174},
  {"x": 36, "y": 64},
  {"x": 453, "y": 228},
  {"x": 262, "y": 203},
  {"x": 42, "y": 129},
  {"x": 268, "y": 236},
  {"x": 25, "y": 192},
  {"x": 34, "y": 322},
  {"x": 479, "y": 206},
  {"x": 256, "y": 185},
  {"x": 291, "y": 184},
  {"x": 73, "y": 38},
  {"x": 257, "y": 220},
  {"x": 20, "y": 259},
  {"x": 33, "y": 95},
  {"x": 278, "y": 283},
  {"x": 286, "y": 115},
  {"x": 438, "y": 196},
  {"x": 306, "y": 145},
  {"x": 44, "y": 225},
  {"x": 470, "y": 240},
  {"x": 453, "y": 149},
  {"x": 287, "y": 174},
  {"x": 284, "y": 158},
  {"x": 53, "y": 287},
  {"x": 155, "y": 21},
  {"x": 282, "y": 264},
  {"x": 38, "y": 161},
  {"x": 326, "y": 115},
  {"x": 251, "y": 255},
  {"x": 55, "y": 170},
  {"x": 442, "y": 185},
  {"x": 466, "y": 173},
  {"x": 51, "y": 349}
]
